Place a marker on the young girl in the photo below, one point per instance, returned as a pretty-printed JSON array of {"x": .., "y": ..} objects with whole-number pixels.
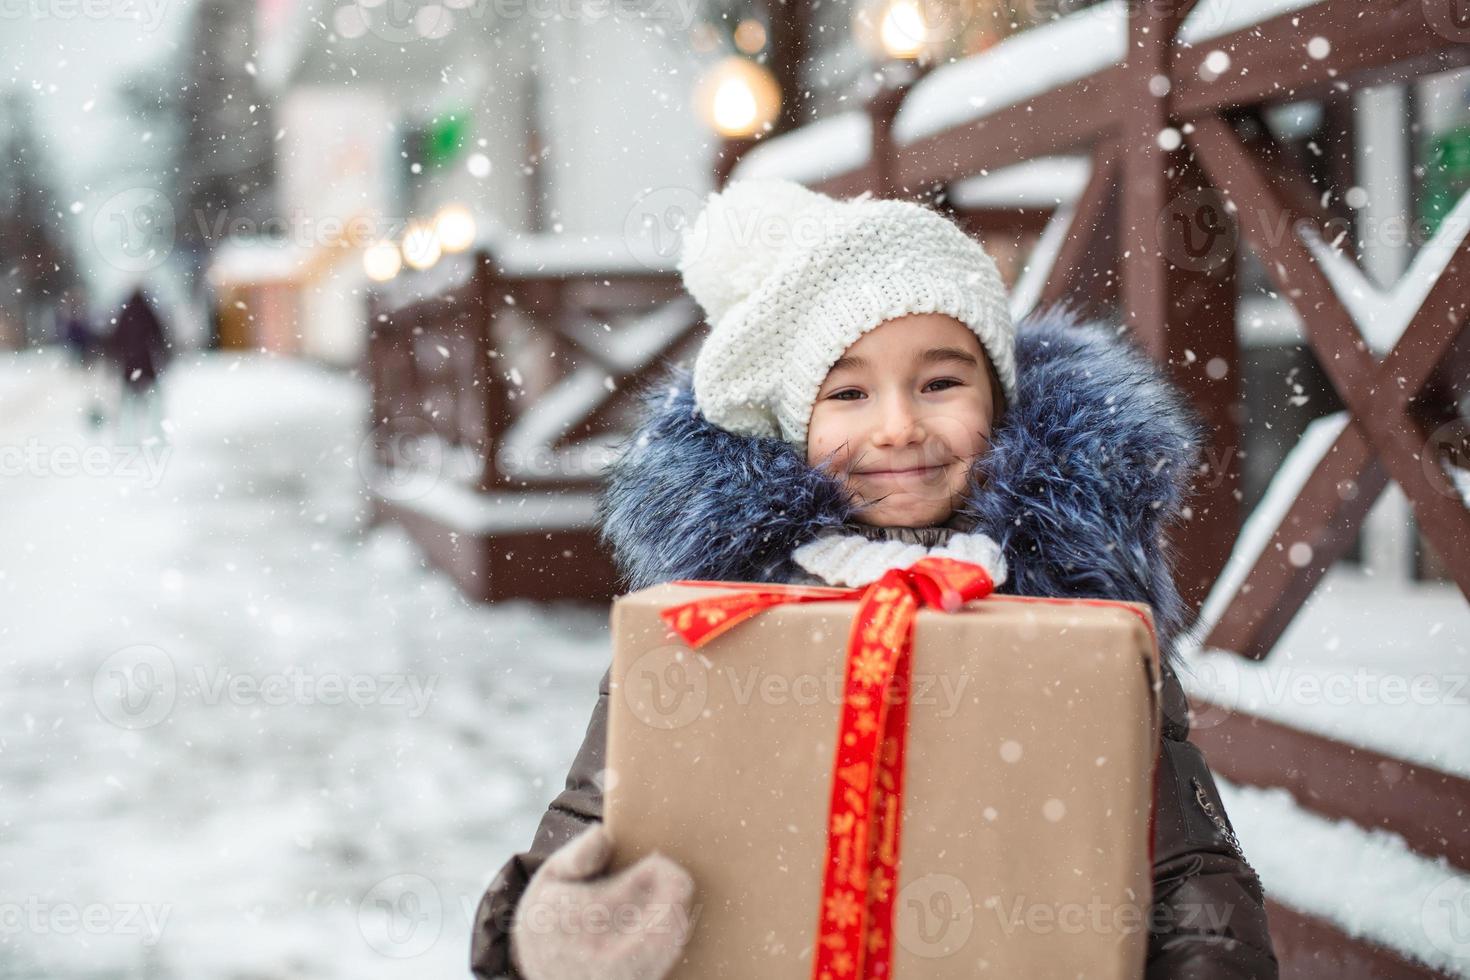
[{"x": 863, "y": 400}]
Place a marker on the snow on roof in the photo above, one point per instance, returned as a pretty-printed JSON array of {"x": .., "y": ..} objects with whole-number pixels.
[
  {"x": 1042, "y": 182},
  {"x": 1366, "y": 882},
  {"x": 467, "y": 511},
  {"x": 1018, "y": 68},
  {"x": 526, "y": 256},
  {"x": 1048, "y": 56},
  {"x": 816, "y": 151},
  {"x": 1215, "y": 18},
  {"x": 241, "y": 261},
  {"x": 522, "y": 254}
]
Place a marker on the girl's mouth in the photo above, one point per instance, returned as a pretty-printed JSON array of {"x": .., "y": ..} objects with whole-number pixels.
[{"x": 919, "y": 471}]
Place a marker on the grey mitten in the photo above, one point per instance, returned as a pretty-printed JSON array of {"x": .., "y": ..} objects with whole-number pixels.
[{"x": 574, "y": 923}]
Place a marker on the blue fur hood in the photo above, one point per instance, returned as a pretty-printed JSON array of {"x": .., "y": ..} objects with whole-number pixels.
[{"x": 1087, "y": 474}]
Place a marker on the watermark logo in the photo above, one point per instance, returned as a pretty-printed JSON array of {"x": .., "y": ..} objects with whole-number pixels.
[
  {"x": 402, "y": 459},
  {"x": 1217, "y": 693},
  {"x": 1445, "y": 917},
  {"x": 134, "y": 230},
  {"x": 1102, "y": 917},
  {"x": 401, "y": 21},
  {"x": 1214, "y": 691},
  {"x": 136, "y": 687},
  {"x": 401, "y": 916},
  {"x": 664, "y": 223},
  {"x": 139, "y": 686},
  {"x": 1196, "y": 231},
  {"x": 565, "y": 916},
  {"x": 670, "y": 687},
  {"x": 1446, "y": 460},
  {"x": 667, "y": 687},
  {"x": 658, "y": 224},
  {"x": 934, "y": 916}
]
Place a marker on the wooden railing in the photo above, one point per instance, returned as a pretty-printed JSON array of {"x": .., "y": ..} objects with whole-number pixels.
[{"x": 501, "y": 387}]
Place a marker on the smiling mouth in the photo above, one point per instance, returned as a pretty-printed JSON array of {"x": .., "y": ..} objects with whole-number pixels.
[{"x": 911, "y": 471}]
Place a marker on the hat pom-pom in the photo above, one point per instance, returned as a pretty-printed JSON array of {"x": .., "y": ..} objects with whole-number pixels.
[{"x": 739, "y": 239}]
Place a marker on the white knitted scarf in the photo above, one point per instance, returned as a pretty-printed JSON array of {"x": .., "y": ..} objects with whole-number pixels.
[{"x": 850, "y": 560}]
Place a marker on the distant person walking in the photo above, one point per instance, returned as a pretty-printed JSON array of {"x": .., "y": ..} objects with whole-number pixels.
[
  {"x": 74, "y": 327},
  {"x": 139, "y": 348},
  {"x": 84, "y": 345}
]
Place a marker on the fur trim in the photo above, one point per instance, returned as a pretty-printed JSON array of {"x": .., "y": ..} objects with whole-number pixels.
[{"x": 1086, "y": 473}]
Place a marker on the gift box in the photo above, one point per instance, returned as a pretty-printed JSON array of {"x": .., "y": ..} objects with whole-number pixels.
[{"x": 988, "y": 812}]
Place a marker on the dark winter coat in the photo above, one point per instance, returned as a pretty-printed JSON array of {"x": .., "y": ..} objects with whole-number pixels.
[
  {"x": 1086, "y": 474},
  {"x": 138, "y": 345}
]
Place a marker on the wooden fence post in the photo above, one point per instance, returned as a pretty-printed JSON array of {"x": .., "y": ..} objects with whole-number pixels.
[{"x": 1178, "y": 285}]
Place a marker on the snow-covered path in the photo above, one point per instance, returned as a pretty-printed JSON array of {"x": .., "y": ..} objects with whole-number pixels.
[{"x": 240, "y": 735}]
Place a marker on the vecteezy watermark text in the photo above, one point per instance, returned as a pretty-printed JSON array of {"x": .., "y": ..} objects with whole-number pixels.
[
  {"x": 35, "y": 458},
  {"x": 92, "y": 919},
  {"x": 137, "y": 687},
  {"x": 148, "y": 13}
]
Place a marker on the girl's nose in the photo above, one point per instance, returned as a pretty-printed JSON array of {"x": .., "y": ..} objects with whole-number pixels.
[{"x": 899, "y": 425}]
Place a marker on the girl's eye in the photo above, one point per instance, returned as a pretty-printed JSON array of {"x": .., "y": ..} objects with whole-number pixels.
[{"x": 946, "y": 382}]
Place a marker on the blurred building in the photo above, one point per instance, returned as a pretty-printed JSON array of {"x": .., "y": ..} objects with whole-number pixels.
[
  {"x": 428, "y": 128},
  {"x": 34, "y": 253}
]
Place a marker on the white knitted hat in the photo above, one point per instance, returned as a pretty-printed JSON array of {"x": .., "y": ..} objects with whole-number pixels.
[{"x": 790, "y": 278}]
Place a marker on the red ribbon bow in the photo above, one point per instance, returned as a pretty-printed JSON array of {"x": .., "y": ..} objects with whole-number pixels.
[{"x": 855, "y": 923}]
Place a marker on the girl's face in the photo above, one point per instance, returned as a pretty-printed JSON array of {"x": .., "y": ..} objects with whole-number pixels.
[{"x": 904, "y": 413}]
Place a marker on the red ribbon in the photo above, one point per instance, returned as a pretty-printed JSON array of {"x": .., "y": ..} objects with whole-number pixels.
[{"x": 855, "y": 922}]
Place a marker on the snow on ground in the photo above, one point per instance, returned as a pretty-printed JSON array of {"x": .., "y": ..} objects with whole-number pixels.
[
  {"x": 240, "y": 733},
  {"x": 1383, "y": 666},
  {"x": 1368, "y": 882}
]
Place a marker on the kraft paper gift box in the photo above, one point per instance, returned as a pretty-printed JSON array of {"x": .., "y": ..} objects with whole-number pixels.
[{"x": 1027, "y": 788}]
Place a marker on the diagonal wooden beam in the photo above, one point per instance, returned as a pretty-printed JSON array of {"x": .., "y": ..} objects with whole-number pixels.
[
  {"x": 1398, "y": 439},
  {"x": 1092, "y": 221},
  {"x": 1378, "y": 396},
  {"x": 1327, "y": 510},
  {"x": 605, "y": 416},
  {"x": 1441, "y": 320},
  {"x": 1077, "y": 114}
]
